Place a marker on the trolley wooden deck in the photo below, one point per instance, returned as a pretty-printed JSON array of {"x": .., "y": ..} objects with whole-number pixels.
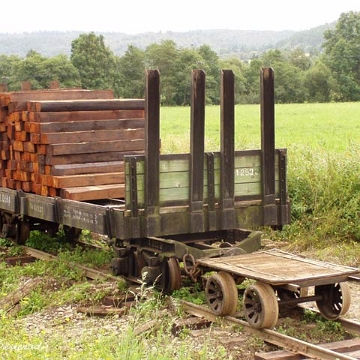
[{"x": 276, "y": 267}]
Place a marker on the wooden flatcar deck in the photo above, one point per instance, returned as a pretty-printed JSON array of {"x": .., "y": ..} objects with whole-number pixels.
[{"x": 277, "y": 267}]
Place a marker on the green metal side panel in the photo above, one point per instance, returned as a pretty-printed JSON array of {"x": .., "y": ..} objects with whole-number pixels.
[
  {"x": 8, "y": 200},
  {"x": 175, "y": 177}
]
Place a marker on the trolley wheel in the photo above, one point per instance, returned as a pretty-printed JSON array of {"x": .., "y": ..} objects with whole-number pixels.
[
  {"x": 170, "y": 279},
  {"x": 285, "y": 294},
  {"x": 335, "y": 300},
  {"x": 261, "y": 306},
  {"x": 221, "y": 293}
]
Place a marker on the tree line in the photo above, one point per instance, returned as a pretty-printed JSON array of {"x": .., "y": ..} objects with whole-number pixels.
[{"x": 332, "y": 75}]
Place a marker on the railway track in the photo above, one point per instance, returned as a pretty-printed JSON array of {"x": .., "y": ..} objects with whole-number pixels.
[{"x": 292, "y": 348}]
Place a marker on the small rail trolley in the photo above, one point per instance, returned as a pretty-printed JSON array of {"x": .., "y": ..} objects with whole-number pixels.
[{"x": 279, "y": 279}]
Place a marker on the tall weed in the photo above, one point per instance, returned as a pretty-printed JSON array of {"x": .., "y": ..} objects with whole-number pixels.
[{"x": 324, "y": 188}]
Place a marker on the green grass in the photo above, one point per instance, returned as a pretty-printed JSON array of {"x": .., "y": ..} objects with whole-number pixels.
[
  {"x": 323, "y": 145},
  {"x": 331, "y": 127}
]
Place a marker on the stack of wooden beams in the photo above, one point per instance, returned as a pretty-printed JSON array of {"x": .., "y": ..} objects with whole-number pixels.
[{"x": 68, "y": 143}]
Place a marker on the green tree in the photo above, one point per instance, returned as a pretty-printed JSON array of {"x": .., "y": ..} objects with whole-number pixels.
[
  {"x": 238, "y": 68},
  {"x": 95, "y": 61},
  {"x": 210, "y": 64},
  {"x": 289, "y": 86},
  {"x": 300, "y": 59},
  {"x": 131, "y": 70},
  {"x": 252, "y": 85},
  {"x": 7, "y": 64},
  {"x": 40, "y": 71},
  {"x": 342, "y": 49},
  {"x": 319, "y": 83},
  {"x": 163, "y": 57},
  {"x": 271, "y": 57},
  {"x": 188, "y": 59}
]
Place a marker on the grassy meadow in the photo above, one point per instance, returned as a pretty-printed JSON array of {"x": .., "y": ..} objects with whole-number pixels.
[{"x": 323, "y": 145}]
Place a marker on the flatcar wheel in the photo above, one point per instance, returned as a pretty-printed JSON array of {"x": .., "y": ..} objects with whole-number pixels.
[
  {"x": 170, "y": 279},
  {"x": 22, "y": 231},
  {"x": 335, "y": 300},
  {"x": 285, "y": 294},
  {"x": 261, "y": 306},
  {"x": 136, "y": 262},
  {"x": 221, "y": 293},
  {"x": 71, "y": 233}
]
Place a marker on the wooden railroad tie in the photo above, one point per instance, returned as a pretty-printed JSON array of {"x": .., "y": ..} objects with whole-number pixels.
[{"x": 68, "y": 142}]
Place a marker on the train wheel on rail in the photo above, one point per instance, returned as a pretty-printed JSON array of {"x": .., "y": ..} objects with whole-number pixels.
[
  {"x": 335, "y": 300},
  {"x": 221, "y": 293},
  {"x": 136, "y": 262},
  {"x": 23, "y": 228},
  {"x": 170, "y": 278},
  {"x": 71, "y": 233},
  {"x": 261, "y": 306}
]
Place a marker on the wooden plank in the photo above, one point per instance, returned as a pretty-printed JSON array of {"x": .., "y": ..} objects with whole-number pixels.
[
  {"x": 89, "y": 157},
  {"x": 17, "y": 106},
  {"x": 17, "y": 295},
  {"x": 29, "y": 147},
  {"x": 83, "y": 180},
  {"x": 85, "y": 136},
  {"x": 57, "y": 94},
  {"x": 86, "y": 168},
  {"x": 86, "y": 105},
  {"x": 86, "y": 125},
  {"x": 94, "y": 192},
  {"x": 65, "y": 116},
  {"x": 95, "y": 147}
]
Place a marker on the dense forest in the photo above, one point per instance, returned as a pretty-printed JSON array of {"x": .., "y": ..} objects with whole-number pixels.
[
  {"x": 242, "y": 43},
  {"x": 321, "y": 65}
]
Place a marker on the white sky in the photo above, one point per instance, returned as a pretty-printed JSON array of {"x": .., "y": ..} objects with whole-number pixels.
[{"x": 137, "y": 16}]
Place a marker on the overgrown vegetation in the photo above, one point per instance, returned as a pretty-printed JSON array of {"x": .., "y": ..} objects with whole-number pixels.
[
  {"x": 46, "y": 242},
  {"x": 312, "y": 326}
]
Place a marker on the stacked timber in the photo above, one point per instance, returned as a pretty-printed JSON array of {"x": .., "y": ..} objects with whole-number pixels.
[{"x": 68, "y": 143}]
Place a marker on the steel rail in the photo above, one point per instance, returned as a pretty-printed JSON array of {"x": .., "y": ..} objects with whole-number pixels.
[
  {"x": 88, "y": 272},
  {"x": 284, "y": 341}
]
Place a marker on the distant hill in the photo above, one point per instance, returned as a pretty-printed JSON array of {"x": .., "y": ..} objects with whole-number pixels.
[{"x": 243, "y": 43}]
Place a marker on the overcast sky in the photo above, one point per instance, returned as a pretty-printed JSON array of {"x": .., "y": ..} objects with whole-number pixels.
[{"x": 137, "y": 16}]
